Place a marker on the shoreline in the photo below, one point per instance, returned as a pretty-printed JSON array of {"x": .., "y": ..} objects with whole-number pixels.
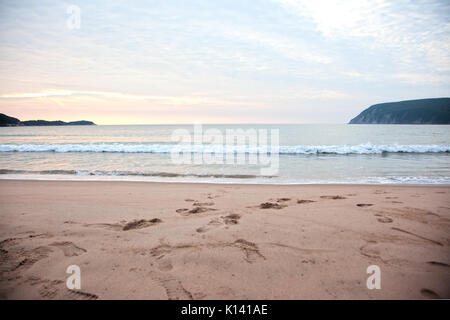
[
  {"x": 234, "y": 183},
  {"x": 222, "y": 241}
]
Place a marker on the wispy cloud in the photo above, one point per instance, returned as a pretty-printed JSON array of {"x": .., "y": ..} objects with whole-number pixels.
[
  {"x": 413, "y": 30},
  {"x": 172, "y": 100},
  {"x": 421, "y": 78},
  {"x": 310, "y": 94}
]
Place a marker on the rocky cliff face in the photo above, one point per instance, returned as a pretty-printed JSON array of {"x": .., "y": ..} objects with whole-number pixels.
[{"x": 423, "y": 111}]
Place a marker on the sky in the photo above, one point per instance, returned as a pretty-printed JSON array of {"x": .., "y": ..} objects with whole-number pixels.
[{"x": 243, "y": 61}]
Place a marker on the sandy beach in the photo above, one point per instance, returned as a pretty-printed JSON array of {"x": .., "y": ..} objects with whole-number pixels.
[{"x": 140, "y": 240}]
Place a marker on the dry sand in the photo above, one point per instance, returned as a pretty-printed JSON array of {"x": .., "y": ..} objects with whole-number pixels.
[{"x": 203, "y": 241}]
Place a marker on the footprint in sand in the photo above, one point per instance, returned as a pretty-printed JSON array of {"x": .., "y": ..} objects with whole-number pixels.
[
  {"x": 438, "y": 264},
  {"x": 30, "y": 257},
  {"x": 385, "y": 220},
  {"x": 430, "y": 294},
  {"x": 48, "y": 291},
  {"x": 8, "y": 242},
  {"x": 201, "y": 204},
  {"x": 214, "y": 196},
  {"x": 165, "y": 248},
  {"x": 199, "y": 207},
  {"x": 370, "y": 250},
  {"x": 196, "y": 210},
  {"x": 69, "y": 248},
  {"x": 140, "y": 224},
  {"x": 173, "y": 287},
  {"x": 15, "y": 258},
  {"x": 125, "y": 226},
  {"x": 362, "y": 205},
  {"x": 271, "y": 205},
  {"x": 110, "y": 226},
  {"x": 305, "y": 201},
  {"x": 230, "y": 219},
  {"x": 81, "y": 295},
  {"x": 48, "y": 288},
  {"x": 333, "y": 197},
  {"x": 418, "y": 236},
  {"x": 214, "y": 223},
  {"x": 165, "y": 265},
  {"x": 250, "y": 249}
]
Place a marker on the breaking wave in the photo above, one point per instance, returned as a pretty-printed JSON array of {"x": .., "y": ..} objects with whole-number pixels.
[
  {"x": 129, "y": 173},
  {"x": 367, "y": 148},
  {"x": 217, "y": 178}
]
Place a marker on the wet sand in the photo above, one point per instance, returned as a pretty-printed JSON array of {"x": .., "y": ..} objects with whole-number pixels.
[{"x": 139, "y": 240}]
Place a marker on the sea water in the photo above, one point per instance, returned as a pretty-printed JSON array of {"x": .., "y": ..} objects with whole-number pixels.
[{"x": 307, "y": 154}]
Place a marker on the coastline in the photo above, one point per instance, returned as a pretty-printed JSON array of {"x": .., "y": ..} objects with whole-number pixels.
[
  {"x": 166, "y": 181},
  {"x": 136, "y": 240}
]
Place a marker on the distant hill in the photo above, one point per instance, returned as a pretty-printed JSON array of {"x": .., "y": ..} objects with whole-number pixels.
[
  {"x": 6, "y": 121},
  {"x": 56, "y": 123},
  {"x": 423, "y": 111}
]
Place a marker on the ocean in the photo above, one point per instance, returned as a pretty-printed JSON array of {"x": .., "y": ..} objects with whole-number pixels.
[{"x": 307, "y": 154}]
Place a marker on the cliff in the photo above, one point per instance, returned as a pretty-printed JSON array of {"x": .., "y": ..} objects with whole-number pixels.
[{"x": 423, "y": 111}]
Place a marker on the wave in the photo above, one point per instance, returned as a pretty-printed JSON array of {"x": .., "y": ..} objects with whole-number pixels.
[
  {"x": 217, "y": 178},
  {"x": 367, "y": 148},
  {"x": 409, "y": 180},
  {"x": 129, "y": 173}
]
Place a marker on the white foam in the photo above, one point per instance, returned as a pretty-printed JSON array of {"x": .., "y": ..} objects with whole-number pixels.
[
  {"x": 366, "y": 148},
  {"x": 422, "y": 180}
]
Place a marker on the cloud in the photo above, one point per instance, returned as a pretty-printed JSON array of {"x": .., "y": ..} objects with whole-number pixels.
[
  {"x": 309, "y": 94},
  {"x": 421, "y": 78},
  {"x": 411, "y": 30},
  {"x": 284, "y": 46},
  {"x": 349, "y": 18},
  {"x": 172, "y": 100}
]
